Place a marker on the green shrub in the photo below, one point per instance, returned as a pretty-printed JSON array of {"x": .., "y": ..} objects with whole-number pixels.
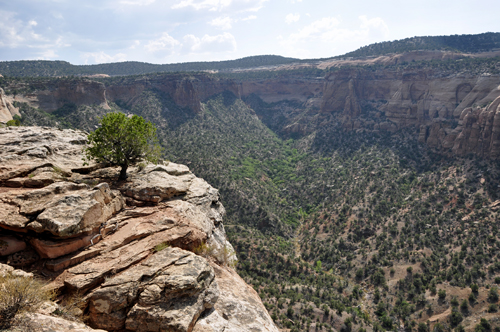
[
  {"x": 13, "y": 123},
  {"x": 161, "y": 246},
  {"x": 493, "y": 295},
  {"x": 223, "y": 255},
  {"x": 18, "y": 296}
]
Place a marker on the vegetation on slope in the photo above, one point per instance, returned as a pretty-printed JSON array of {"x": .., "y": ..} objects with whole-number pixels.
[
  {"x": 45, "y": 68},
  {"x": 483, "y": 42}
]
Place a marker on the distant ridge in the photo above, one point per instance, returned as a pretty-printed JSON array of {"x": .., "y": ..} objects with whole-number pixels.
[
  {"x": 483, "y": 42},
  {"x": 45, "y": 68}
]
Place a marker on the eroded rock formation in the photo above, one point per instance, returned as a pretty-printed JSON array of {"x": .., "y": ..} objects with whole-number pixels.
[{"x": 128, "y": 247}]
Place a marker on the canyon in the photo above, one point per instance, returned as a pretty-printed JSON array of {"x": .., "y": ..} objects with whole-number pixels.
[{"x": 354, "y": 190}]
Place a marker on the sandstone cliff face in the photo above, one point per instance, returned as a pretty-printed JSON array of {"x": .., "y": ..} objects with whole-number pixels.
[
  {"x": 422, "y": 100},
  {"x": 7, "y": 110},
  {"x": 128, "y": 247},
  {"x": 79, "y": 92},
  {"x": 185, "y": 91},
  {"x": 385, "y": 100}
]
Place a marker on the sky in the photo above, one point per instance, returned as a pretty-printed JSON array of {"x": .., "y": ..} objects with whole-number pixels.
[{"x": 173, "y": 31}]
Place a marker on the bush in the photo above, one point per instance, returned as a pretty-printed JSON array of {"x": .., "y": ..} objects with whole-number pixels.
[
  {"x": 483, "y": 326},
  {"x": 225, "y": 255},
  {"x": 493, "y": 295},
  {"x": 122, "y": 141},
  {"x": 18, "y": 296},
  {"x": 442, "y": 294},
  {"x": 422, "y": 327},
  {"x": 13, "y": 123},
  {"x": 455, "y": 318}
]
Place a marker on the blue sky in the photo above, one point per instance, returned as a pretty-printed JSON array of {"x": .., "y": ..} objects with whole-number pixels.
[{"x": 171, "y": 31}]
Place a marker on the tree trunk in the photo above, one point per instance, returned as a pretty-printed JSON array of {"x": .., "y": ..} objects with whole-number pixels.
[{"x": 123, "y": 172}]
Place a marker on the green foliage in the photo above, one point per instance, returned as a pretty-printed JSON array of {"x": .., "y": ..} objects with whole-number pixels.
[
  {"x": 463, "y": 43},
  {"x": 123, "y": 141},
  {"x": 224, "y": 255},
  {"x": 493, "y": 295},
  {"x": 422, "y": 327},
  {"x": 483, "y": 326},
  {"x": 455, "y": 318},
  {"x": 33, "y": 68},
  {"x": 464, "y": 305},
  {"x": 161, "y": 246},
  {"x": 442, "y": 294},
  {"x": 14, "y": 122}
]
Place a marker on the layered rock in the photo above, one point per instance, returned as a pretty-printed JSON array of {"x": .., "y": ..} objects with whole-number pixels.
[
  {"x": 7, "y": 110},
  {"x": 135, "y": 264},
  {"x": 360, "y": 99},
  {"x": 166, "y": 292}
]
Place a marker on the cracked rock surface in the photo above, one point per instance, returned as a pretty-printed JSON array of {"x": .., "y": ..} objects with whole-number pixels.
[{"x": 127, "y": 248}]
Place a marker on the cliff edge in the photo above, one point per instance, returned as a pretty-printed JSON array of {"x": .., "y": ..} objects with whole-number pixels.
[{"x": 146, "y": 254}]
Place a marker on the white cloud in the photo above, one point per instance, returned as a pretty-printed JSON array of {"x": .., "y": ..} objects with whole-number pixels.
[
  {"x": 217, "y": 44},
  {"x": 212, "y": 5},
  {"x": 251, "y": 17},
  {"x": 316, "y": 30},
  {"x": 48, "y": 54},
  {"x": 101, "y": 57},
  {"x": 291, "y": 18},
  {"x": 224, "y": 23},
  {"x": 21, "y": 35},
  {"x": 219, "y": 5},
  {"x": 15, "y": 33},
  {"x": 137, "y": 2},
  {"x": 164, "y": 43},
  {"x": 327, "y": 32},
  {"x": 376, "y": 27},
  {"x": 135, "y": 44}
]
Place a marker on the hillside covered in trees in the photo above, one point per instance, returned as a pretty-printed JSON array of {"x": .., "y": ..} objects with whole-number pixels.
[{"x": 457, "y": 43}]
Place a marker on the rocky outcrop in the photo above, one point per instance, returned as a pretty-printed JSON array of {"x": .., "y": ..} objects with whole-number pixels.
[
  {"x": 146, "y": 253},
  {"x": 74, "y": 91},
  {"x": 185, "y": 90},
  {"x": 166, "y": 292},
  {"x": 7, "y": 110},
  {"x": 238, "y": 308},
  {"x": 390, "y": 101}
]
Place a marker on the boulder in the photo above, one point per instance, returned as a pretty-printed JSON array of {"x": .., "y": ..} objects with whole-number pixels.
[
  {"x": 158, "y": 182},
  {"x": 7, "y": 269},
  {"x": 47, "y": 323},
  {"x": 239, "y": 308},
  {"x": 10, "y": 245},
  {"x": 166, "y": 292},
  {"x": 63, "y": 209}
]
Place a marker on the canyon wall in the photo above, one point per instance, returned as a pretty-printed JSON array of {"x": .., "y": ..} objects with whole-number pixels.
[{"x": 360, "y": 99}]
